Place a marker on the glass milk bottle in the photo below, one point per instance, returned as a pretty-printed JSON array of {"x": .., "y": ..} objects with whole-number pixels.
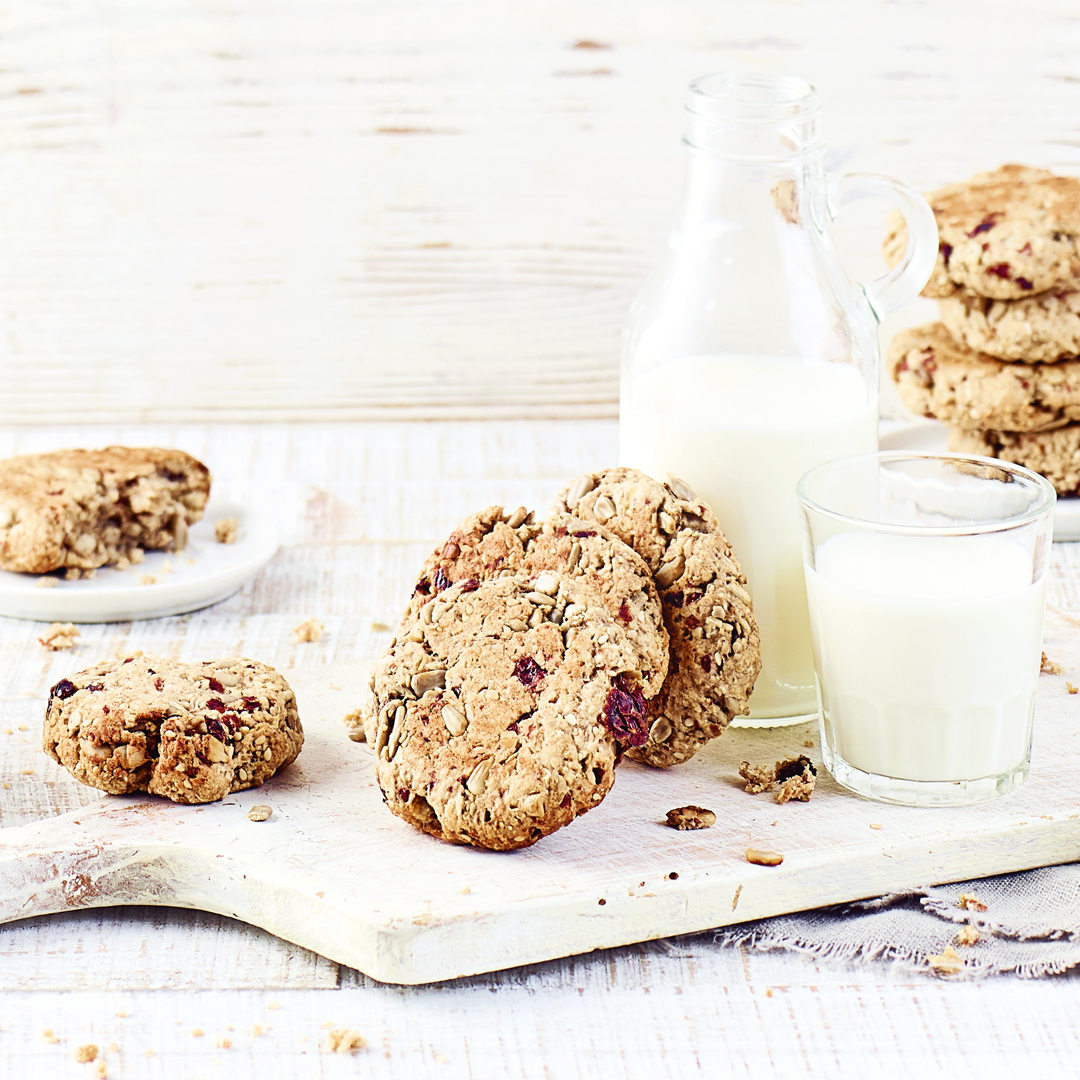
[{"x": 753, "y": 357}]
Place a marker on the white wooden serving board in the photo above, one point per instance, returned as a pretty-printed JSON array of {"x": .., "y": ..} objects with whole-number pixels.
[{"x": 334, "y": 871}]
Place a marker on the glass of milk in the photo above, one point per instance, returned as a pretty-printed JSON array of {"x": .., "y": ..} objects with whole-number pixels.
[
  {"x": 751, "y": 356},
  {"x": 926, "y": 583}
]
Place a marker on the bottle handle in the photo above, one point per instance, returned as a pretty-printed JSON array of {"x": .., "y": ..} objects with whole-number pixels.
[{"x": 905, "y": 280}]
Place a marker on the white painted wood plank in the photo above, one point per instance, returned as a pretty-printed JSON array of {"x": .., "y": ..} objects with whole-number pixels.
[{"x": 420, "y": 210}]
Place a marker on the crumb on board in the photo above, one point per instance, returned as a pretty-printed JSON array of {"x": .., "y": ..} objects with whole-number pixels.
[
  {"x": 49, "y": 1036},
  {"x": 1070, "y": 688},
  {"x": 948, "y": 963},
  {"x": 344, "y": 1041},
  {"x": 274, "y": 1005},
  {"x": 226, "y": 530},
  {"x": 60, "y": 635},
  {"x": 381, "y": 627},
  {"x": 148, "y": 579},
  {"x": 735, "y": 898},
  {"x": 223, "y": 1042},
  {"x": 86, "y": 1052},
  {"x": 793, "y": 778},
  {"x": 355, "y": 720},
  {"x": 72, "y": 573},
  {"x": 874, "y": 825},
  {"x": 970, "y": 902},
  {"x": 808, "y": 743},
  {"x": 1050, "y": 667},
  {"x": 99, "y": 1069},
  {"x": 46, "y": 583},
  {"x": 310, "y": 630},
  {"x": 260, "y": 812},
  {"x": 257, "y": 1030},
  {"x": 763, "y": 858},
  {"x": 968, "y": 936},
  {"x": 121, "y": 1013},
  {"x": 197, "y": 1033},
  {"x": 690, "y": 817}
]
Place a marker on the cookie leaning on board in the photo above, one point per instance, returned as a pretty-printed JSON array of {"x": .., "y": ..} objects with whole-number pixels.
[
  {"x": 190, "y": 732},
  {"x": 715, "y": 648},
  {"x": 83, "y": 509},
  {"x": 503, "y": 709}
]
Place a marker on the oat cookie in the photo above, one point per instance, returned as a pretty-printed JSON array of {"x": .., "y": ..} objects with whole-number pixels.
[
  {"x": 1041, "y": 328},
  {"x": 1006, "y": 234},
  {"x": 494, "y": 542},
  {"x": 937, "y": 377},
  {"x": 190, "y": 732},
  {"x": 1054, "y": 454},
  {"x": 715, "y": 650},
  {"x": 88, "y": 508},
  {"x": 496, "y": 725}
]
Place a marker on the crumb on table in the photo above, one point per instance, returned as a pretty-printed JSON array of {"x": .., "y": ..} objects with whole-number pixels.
[
  {"x": 1070, "y": 688},
  {"x": 794, "y": 778},
  {"x": 344, "y": 1041},
  {"x": 355, "y": 720},
  {"x": 86, "y": 1053},
  {"x": 46, "y": 583},
  {"x": 763, "y": 858},
  {"x": 60, "y": 635},
  {"x": 310, "y": 630},
  {"x": 260, "y": 812},
  {"x": 226, "y": 530},
  {"x": 148, "y": 579}
]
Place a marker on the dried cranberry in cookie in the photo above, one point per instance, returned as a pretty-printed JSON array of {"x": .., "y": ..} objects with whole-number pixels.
[
  {"x": 191, "y": 732},
  {"x": 715, "y": 648},
  {"x": 503, "y": 716}
]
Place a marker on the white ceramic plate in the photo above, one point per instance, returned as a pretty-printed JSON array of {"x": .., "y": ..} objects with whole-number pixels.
[
  {"x": 202, "y": 574},
  {"x": 930, "y": 435}
]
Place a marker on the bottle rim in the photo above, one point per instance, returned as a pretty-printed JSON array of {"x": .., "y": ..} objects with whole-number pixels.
[{"x": 736, "y": 98}]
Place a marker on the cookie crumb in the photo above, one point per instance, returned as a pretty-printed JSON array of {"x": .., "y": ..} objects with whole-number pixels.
[
  {"x": 874, "y": 825},
  {"x": 223, "y": 1042},
  {"x": 970, "y": 902},
  {"x": 735, "y": 898},
  {"x": 197, "y": 1033},
  {"x": 46, "y": 583},
  {"x": 968, "y": 936},
  {"x": 260, "y": 812},
  {"x": 948, "y": 963},
  {"x": 758, "y": 778},
  {"x": 310, "y": 630},
  {"x": 257, "y": 1030},
  {"x": 381, "y": 627},
  {"x": 49, "y": 1037},
  {"x": 793, "y": 778},
  {"x": 763, "y": 858},
  {"x": 100, "y": 1072},
  {"x": 1069, "y": 687},
  {"x": 274, "y": 1005},
  {"x": 60, "y": 635},
  {"x": 1050, "y": 667},
  {"x": 148, "y": 579},
  {"x": 226, "y": 530},
  {"x": 690, "y": 817},
  {"x": 355, "y": 721},
  {"x": 86, "y": 1053},
  {"x": 809, "y": 743},
  {"x": 344, "y": 1041},
  {"x": 121, "y": 1013},
  {"x": 72, "y": 573}
]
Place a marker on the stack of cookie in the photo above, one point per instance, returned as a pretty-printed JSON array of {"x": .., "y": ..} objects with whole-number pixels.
[
  {"x": 1002, "y": 368},
  {"x": 533, "y": 655}
]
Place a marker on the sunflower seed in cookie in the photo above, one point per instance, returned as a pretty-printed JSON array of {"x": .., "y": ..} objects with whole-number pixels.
[
  {"x": 190, "y": 732},
  {"x": 528, "y": 725},
  {"x": 715, "y": 648},
  {"x": 938, "y": 377}
]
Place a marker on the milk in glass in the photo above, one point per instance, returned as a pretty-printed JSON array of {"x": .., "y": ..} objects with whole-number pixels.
[
  {"x": 742, "y": 430},
  {"x": 928, "y": 651}
]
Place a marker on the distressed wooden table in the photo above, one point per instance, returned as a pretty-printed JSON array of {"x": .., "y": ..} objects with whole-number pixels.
[{"x": 232, "y": 222}]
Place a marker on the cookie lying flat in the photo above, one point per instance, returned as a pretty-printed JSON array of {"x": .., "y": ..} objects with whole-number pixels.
[
  {"x": 937, "y": 377},
  {"x": 91, "y": 508},
  {"x": 493, "y": 542},
  {"x": 190, "y": 732},
  {"x": 1041, "y": 328},
  {"x": 1004, "y": 234},
  {"x": 495, "y": 726},
  {"x": 1053, "y": 454},
  {"x": 715, "y": 649}
]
